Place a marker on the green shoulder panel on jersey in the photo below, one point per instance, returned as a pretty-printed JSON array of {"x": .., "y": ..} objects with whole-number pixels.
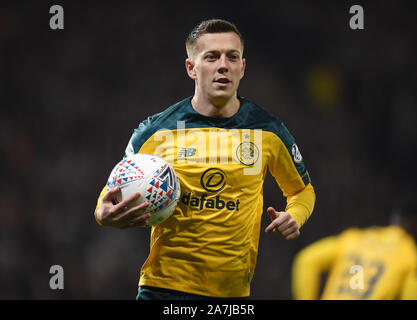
[
  {"x": 257, "y": 118},
  {"x": 249, "y": 116},
  {"x": 166, "y": 120},
  {"x": 277, "y": 127}
]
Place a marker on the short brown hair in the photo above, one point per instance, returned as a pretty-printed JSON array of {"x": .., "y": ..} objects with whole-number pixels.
[{"x": 209, "y": 26}]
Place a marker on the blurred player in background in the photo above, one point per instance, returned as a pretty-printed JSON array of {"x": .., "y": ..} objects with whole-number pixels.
[
  {"x": 378, "y": 263},
  {"x": 208, "y": 247}
]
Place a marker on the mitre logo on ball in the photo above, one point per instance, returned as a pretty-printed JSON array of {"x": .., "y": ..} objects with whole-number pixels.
[{"x": 154, "y": 178}]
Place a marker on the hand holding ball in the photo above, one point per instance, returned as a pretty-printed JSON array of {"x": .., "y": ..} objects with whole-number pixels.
[{"x": 155, "y": 180}]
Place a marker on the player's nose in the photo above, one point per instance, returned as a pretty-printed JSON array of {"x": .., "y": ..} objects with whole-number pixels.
[{"x": 223, "y": 66}]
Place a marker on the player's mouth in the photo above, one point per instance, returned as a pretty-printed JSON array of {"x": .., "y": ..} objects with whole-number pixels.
[{"x": 223, "y": 82}]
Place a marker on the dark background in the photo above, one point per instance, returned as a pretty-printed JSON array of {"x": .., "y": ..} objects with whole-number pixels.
[{"x": 70, "y": 99}]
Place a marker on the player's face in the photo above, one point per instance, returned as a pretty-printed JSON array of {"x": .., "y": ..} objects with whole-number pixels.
[{"x": 217, "y": 65}]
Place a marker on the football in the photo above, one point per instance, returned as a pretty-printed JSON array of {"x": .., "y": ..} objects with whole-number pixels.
[{"x": 154, "y": 178}]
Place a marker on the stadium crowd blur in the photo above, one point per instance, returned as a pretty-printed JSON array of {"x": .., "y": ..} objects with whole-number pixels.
[{"x": 69, "y": 100}]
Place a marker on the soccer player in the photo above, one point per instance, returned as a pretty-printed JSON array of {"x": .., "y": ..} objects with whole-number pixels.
[
  {"x": 378, "y": 263},
  {"x": 221, "y": 145}
]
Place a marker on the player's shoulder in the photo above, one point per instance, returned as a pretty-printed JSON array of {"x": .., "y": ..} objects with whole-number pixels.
[
  {"x": 352, "y": 232},
  {"x": 165, "y": 120},
  {"x": 398, "y": 232},
  {"x": 259, "y": 118},
  {"x": 392, "y": 234},
  {"x": 168, "y": 117},
  {"x": 257, "y": 115}
]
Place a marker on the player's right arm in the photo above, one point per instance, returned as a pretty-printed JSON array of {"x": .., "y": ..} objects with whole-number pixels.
[
  {"x": 120, "y": 215},
  {"x": 308, "y": 266},
  {"x": 108, "y": 213}
]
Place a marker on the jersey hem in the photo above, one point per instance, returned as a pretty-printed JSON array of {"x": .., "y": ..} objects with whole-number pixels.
[{"x": 187, "y": 289}]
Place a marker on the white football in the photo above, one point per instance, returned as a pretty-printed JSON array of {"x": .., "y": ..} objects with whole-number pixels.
[{"x": 154, "y": 178}]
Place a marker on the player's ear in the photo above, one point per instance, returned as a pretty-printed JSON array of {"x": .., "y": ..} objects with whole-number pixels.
[
  {"x": 242, "y": 72},
  {"x": 189, "y": 65}
]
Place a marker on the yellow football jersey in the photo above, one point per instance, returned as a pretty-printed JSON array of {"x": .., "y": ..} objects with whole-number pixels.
[
  {"x": 377, "y": 263},
  {"x": 209, "y": 245}
]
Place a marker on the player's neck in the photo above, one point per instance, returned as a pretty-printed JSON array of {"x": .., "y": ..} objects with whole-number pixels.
[{"x": 217, "y": 107}]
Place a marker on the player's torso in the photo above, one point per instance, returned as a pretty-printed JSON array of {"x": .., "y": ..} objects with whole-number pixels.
[
  {"x": 221, "y": 164},
  {"x": 221, "y": 172},
  {"x": 371, "y": 265},
  {"x": 210, "y": 241}
]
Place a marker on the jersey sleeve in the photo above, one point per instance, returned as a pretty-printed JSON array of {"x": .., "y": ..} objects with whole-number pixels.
[
  {"x": 100, "y": 197},
  {"x": 287, "y": 167},
  {"x": 139, "y": 137},
  {"x": 301, "y": 205},
  {"x": 308, "y": 266}
]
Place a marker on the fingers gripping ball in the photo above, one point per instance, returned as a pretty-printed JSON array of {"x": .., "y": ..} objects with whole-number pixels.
[{"x": 155, "y": 180}]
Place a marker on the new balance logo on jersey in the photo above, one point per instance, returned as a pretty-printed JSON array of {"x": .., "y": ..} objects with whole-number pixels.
[{"x": 186, "y": 152}]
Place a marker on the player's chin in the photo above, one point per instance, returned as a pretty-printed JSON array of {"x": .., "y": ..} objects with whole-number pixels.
[{"x": 223, "y": 95}]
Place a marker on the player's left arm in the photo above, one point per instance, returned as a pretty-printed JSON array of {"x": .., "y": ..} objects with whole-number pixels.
[
  {"x": 299, "y": 208},
  {"x": 140, "y": 134},
  {"x": 287, "y": 166},
  {"x": 309, "y": 264}
]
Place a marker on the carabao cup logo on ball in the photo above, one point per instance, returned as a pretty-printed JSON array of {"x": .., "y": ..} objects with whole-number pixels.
[
  {"x": 162, "y": 187},
  {"x": 163, "y": 192}
]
